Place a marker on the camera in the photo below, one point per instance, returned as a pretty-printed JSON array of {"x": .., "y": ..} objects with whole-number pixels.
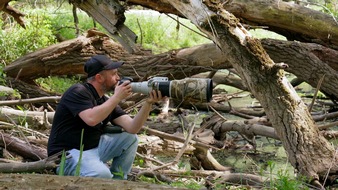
[{"x": 191, "y": 89}]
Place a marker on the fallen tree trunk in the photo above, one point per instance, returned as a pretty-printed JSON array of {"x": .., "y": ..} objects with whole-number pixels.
[
  {"x": 300, "y": 57},
  {"x": 316, "y": 62},
  {"x": 22, "y": 148},
  {"x": 68, "y": 57},
  {"x": 36, "y": 119},
  {"x": 49, "y": 163}
]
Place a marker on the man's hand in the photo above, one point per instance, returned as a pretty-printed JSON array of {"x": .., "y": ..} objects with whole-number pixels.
[
  {"x": 123, "y": 90},
  {"x": 155, "y": 96}
]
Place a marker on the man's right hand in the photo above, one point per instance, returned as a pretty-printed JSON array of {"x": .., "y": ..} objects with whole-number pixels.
[{"x": 123, "y": 90}]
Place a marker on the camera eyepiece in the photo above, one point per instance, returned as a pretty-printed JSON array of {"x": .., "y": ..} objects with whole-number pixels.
[{"x": 125, "y": 79}]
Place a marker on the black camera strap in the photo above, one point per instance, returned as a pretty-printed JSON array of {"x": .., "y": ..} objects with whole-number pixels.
[{"x": 93, "y": 93}]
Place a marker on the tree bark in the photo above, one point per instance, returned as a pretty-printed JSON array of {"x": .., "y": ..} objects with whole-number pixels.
[
  {"x": 308, "y": 151},
  {"x": 308, "y": 61},
  {"x": 16, "y": 14},
  {"x": 22, "y": 148},
  {"x": 68, "y": 58},
  {"x": 37, "y": 166}
]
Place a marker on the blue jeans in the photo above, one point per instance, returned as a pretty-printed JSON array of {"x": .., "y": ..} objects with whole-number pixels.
[{"x": 119, "y": 147}]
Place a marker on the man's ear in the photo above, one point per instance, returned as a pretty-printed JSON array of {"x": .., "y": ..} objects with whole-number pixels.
[{"x": 99, "y": 77}]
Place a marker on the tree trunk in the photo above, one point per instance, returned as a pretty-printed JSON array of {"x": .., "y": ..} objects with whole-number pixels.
[
  {"x": 22, "y": 148},
  {"x": 67, "y": 58},
  {"x": 308, "y": 151},
  {"x": 309, "y": 62}
]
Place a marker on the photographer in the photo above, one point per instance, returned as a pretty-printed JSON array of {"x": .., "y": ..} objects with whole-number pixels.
[{"x": 84, "y": 107}]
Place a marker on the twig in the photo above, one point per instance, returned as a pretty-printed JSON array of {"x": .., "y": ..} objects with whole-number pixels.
[
  {"x": 31, "y": 100},
  {"x": 323, "y": 127},
  {"x": 180, "y": 153},
  {"x": 316, "y": 92},
  {"x": 28, "y": 130}
]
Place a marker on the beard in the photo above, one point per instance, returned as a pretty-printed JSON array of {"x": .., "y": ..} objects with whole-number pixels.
[{"x": 107, "y": 88}]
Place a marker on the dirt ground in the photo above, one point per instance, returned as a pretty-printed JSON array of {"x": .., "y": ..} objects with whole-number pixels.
[{"x": 46, "y": 182}]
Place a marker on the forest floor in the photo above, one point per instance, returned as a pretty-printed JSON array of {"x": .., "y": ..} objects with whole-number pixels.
[{"x": 44, "y": 181}]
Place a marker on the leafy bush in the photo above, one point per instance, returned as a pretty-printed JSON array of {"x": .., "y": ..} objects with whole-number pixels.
[
  {"x": 63, "y": 22},
  {"x": 160, "y": 32},
  {"x": 57, "y": 84},
  {"x": 16, "y": 41}
]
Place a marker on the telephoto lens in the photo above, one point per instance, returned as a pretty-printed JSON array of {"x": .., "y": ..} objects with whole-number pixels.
[{"x": 190, "y": 89}]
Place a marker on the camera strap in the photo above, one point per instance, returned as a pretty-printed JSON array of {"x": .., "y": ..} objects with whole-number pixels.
[{"x": 93, "y": 93}]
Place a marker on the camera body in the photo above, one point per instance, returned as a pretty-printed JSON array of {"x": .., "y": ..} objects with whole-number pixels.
[{"x": 192, "y": 89}]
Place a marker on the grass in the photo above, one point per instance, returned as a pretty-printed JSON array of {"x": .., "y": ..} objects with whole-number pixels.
[{"x": 161, "y": 32}]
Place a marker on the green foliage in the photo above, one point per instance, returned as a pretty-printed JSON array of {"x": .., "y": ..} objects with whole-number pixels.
[
  {"x": 63, "y": 22},
  {"x": 78, "y": 166},
  {"x": 57, "y": 84},
  {"x": 62, "y": 164},
  {"x": 284, "y": 182},
  {"x": 119, "y": 174},
  {"x": 187, "y": 184},
  {"x": 161, "y": 33},
  {"x": 139, "y": 162},
  {"x": 2, "y": 74},
  {"x": 16, "y": 41},
  {"x": 331, "y": 8}
]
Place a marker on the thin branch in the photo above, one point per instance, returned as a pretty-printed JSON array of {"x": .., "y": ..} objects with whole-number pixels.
[
  {"x": 316, "y": 92},
  {"x": 180, "y": 153}
]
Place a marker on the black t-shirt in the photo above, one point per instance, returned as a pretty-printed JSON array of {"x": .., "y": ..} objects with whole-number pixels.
[{"x": 67, "y": 125}]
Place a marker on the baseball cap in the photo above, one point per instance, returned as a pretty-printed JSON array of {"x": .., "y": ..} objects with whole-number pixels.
[{"x": 98, "y": 63}]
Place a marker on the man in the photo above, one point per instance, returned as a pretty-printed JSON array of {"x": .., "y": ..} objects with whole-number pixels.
[{"x": 84, "y": 107}]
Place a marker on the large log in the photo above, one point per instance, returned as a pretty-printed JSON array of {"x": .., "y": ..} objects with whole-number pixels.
[
  {"x": 67, "y": 58},
  {"x": 308, "y": 61},
  {"x": 22, "y": 148}
]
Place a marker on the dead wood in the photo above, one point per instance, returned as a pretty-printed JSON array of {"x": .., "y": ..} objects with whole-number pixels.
[
  {"x": 217, "y": 177},
  {"x": 207, "y": 162},
  {"x": 16, "y": 14},
  {"x": 320, "y": 61},
  {"x": 112, "y": 20},
  {"x": 48, "y": 163},
  {"x": 22, "y": 148},
  {"x": 177, "y": 138},
  {"x": 38, "y": 181},
  {"x": 50, "y": 99},
  {"x": 7, "y": 93},
  {"x": 36, "y": 119},
  {"x": 177, "y": 64},
  {"x": 67, "y": 58},
  {"x": 200, "y": 152}
]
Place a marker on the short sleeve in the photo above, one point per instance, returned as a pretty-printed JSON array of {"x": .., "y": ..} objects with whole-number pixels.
[{"x": 77, "y": 99}]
